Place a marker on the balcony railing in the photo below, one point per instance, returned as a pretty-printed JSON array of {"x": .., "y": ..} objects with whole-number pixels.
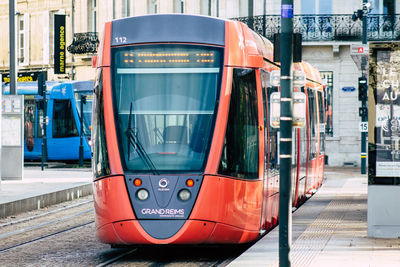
[
  {"x": 315, "y": 28},
  {"x": 84, "y": 43}
]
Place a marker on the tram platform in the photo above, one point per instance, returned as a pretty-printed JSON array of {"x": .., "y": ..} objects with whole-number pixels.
[
  {"x": 330, "y": 229},
  {"x": 40, "y": 189}
]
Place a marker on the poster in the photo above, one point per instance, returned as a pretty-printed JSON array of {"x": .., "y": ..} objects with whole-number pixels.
[
  {"x": 59, "y": 44},
  {"x": 11, "y": 130},
  {"x": 387, "y": 113}
]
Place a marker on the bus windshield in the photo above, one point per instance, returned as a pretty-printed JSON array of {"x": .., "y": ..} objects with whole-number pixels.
[
  {"x": 87, "y": 110},
  {"x": 165, "y": 97}
]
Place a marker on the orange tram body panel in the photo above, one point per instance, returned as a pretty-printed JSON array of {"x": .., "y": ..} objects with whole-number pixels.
[{"x": 183, "y": 151}]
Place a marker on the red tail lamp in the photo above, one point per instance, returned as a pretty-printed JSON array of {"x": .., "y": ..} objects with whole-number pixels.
[
  {"x": 189, "y": 182},
  {"x": 137, "y": 182}
]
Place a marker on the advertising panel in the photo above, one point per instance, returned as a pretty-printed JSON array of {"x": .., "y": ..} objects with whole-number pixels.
[
  {"x": 384, "y": 110},
  {"x": 59, "y": 44}
]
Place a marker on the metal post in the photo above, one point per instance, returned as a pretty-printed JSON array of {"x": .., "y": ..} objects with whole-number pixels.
[
  {"x": 73, "y": 33},
  {"x": 364, "y": 118},
  {"x": 285, "y": 146},
  {"x": 44, "y": 142},
  {"x": 81, "y": 134},
  {"x": 264, "y": 18},
  {"x": 250, "y": 22},
  {"x": 42, "y": 82},
  {"x": 12, "y": 43}
]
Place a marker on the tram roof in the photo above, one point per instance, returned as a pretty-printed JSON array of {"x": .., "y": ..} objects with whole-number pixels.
[{"x": 159, "y": 28}]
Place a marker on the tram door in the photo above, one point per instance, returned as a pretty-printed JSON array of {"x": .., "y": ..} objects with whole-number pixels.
[{"x": 271, "y": 179}]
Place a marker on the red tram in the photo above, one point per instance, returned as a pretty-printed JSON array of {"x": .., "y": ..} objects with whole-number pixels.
[{"x": 183, "y": 151}]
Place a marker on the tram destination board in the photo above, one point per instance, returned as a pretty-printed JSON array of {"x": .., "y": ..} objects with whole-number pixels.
[
  {"x": 384, "y": 113},
  {"x": 165, "y": 56}
]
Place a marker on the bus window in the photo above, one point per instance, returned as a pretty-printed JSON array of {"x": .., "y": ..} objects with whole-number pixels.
[
  {"x": 63, "y": 119},
  {"x": 87, "y": 110}
]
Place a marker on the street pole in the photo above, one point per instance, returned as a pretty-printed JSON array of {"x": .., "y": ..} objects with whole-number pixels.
[
  {"x": 73, "y": 33},
  {"x": 285, "y": 144},
  {"x": 364, "y": 118},
  {"x": 250, "y": 11},
  {"x": 42, "y": 88},
  {"x": 12, "y": 44},
  {"x": 83, "y": 100}
]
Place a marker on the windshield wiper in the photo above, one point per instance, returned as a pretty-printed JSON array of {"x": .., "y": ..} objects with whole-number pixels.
[{"x": 134, "y": 142}]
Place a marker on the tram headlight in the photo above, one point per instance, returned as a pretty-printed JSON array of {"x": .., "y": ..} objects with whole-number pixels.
[
  {"x": 184, "y": 195},
  {"x": 142, "y": 194}
]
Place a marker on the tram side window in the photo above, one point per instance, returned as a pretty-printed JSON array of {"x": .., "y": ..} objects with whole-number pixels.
[
  {"x": 63, "y": 119},
  {"x": 99, "y": 147},
  {"x": 321, "y": 122},
  {"x": 273, "y": 140},
  {"x": 313, "y": 121},
  {"x": 240, "y": 152}
]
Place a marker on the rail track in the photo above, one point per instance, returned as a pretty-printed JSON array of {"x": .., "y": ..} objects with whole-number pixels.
[{"x": 64, "y": 234}]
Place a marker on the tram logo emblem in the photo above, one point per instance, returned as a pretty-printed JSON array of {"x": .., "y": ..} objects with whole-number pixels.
[{"x": 163, "y": 183}]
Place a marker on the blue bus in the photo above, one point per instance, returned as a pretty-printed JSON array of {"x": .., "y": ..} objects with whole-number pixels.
[{"x": 63, "y": 123}]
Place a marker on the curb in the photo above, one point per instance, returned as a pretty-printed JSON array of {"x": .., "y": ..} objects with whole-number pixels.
[{"x": 41, "y": 201}]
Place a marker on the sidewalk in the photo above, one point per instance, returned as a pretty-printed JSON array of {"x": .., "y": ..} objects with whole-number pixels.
[
  {"x": 330, "y": 229},
  {"x": 39, "y": 189}
]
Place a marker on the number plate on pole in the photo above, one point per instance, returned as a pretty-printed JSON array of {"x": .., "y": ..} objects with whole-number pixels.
[{"x": 363, "y": 126}]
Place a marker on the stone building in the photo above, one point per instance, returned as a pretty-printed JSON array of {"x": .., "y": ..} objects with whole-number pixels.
[{"x": 327, "y": 28}]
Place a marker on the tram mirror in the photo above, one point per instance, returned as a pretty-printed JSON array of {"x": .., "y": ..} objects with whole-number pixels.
[
  {"x": 299, "y": 78},
  {"x": 299, "y": 109},
  {"x": 275, "y": 103},
  {"x": 275, "y": 78}
]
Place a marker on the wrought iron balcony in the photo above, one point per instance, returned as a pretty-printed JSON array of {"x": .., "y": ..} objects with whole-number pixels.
[
  {"x": 84, "y": 43},
  {"x": 315, "y": 28}
]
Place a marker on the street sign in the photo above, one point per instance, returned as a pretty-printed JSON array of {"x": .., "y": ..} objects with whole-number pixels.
[
  {"x": 363, "y": 127},
  {"x": 348, "y": 89},
  {"x": 359, "y": 49}
]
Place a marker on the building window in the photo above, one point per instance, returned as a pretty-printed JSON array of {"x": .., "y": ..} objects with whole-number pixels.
[
  {"x": 92, "y": 15},
  {"x": 23, "y": 39},
  {"x": 179, "y": 6},
  {"x": 316, "y": 18},
  {"x": 152, "y": 6},
  {"x": 205, "y": 7},
  {"x": 327, "y": 77},
  {"x": 126, "y": 6},
  {"x": 243, "y": 8}
]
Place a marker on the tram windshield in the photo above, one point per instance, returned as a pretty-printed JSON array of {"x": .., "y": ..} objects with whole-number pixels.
[{"x": 165, "y": 97}]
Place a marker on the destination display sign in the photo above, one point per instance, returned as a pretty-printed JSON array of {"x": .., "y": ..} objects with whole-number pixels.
[{"x": 162, "y": 56}]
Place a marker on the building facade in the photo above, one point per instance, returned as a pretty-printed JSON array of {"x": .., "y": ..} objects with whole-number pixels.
[{"x": 326, "y": 25}]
